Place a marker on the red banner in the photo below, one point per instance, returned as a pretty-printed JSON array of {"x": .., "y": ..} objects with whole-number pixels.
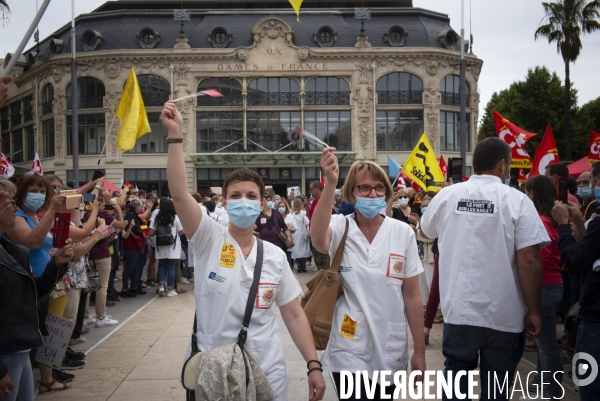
[
  {"x": 545, "y": 154},
  {"x": 516, "y": 138},
  {"x": 444, "y": 166},
  {"x": 594, "y": 148},
  {"x": 522, "y": 176}
]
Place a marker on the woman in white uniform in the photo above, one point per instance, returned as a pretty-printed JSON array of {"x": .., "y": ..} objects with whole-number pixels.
[
  {"x": 379, "y": 270},
  {"x": 301, "y": 251},
  {"x": 224, "y": 270}
]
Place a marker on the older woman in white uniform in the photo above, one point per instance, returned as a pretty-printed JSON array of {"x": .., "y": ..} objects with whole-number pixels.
[
  {"x": 224, "y": 270},
  {"x": 379, "y": 270}
]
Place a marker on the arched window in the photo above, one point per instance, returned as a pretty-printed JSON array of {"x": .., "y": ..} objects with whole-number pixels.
[
  {"x": 273, "y": 92},
  {"x": 47, "y": 98},
  {"x": 327, "y": 91},
  {"x": 90, "y": 93},
  {"x": 400, "y": 88},
  {"x": 231, "y": 89},
  {"x": 155, "y": 90},
  {"x": 450, "y": 89}
]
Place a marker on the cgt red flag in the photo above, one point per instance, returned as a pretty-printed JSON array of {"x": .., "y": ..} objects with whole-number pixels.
[
  {"x": 444, "y": 166},
  {"x": 516, "y": 138},
  {"x": 594, "y": 148},
  {"x": 546, "y": 153},
  {"x": 522, "y": 176}
]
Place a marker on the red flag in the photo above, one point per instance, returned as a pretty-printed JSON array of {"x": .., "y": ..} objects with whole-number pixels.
[
  {"x": 321, "y": 179},
  {"x": 127, "y": 184},
  {"x": 546, "y": 154},
  {"x": 444, "y": 166},
  {"x": 36, "y": 166},
  {"x": 522, "y": 177},
  {"x": 516, "y": 139},
  {"x": 401, "y": 183},
  {"x": 594, "y": 148}
]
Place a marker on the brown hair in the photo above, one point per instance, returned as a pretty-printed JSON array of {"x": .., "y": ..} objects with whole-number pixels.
[
  {"x": 8, "y": 187},
  {"x": 377, "y": 173},
  {"x": 283, "y": 202},
  {"x": 242, "y": 175},
  {"x": 197, "y": 197},
  {"x": 298, "y": 206},
  {"x": 544, "y": 195},
  {"x": 23, "y": 185}
]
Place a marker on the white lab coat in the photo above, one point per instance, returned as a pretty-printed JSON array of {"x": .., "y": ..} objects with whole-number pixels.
[
  {"x": 372, "y": 275},
  {"x": 222, "y": 282},
  {"x": 301, "y": 236}
]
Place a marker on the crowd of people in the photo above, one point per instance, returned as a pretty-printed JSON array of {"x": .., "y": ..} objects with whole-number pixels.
[{"x": 120, "y": 231}]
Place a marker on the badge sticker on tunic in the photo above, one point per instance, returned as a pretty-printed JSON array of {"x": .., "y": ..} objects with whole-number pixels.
[
  {"x": 228, "y": 255},
  {"x": 476, "y": 207},
  {"x": 265, "y": 296},
  {"x": 263, "y": 220},
  {"x": 348, "y": 327},
  {"x": 396, "y": 266}
]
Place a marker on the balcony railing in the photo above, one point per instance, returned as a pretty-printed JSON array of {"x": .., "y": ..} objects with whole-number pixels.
[
  {"x": 227, "y": 100},
  {"x": 273, "y": 99},
  {"x": 86, "y": 102},
  {"x": 327, "y": 98},
  {"x": 400, "y": 97},
  {"x": 452, "y": 99}
]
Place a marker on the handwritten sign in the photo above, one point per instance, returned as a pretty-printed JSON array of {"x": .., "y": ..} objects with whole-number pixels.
[{"x": 54, "y": 345}]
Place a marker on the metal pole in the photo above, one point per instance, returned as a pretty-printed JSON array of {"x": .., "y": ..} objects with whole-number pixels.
[
  {"x": 74, "y": 101},
  {"x": 15, "y": 56},
  {"x": 462, "y": 91}
]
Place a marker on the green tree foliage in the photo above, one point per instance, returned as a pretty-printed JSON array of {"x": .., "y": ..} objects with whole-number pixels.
[
  {"x": 532, "y": 104},
  {"x": 564, "y": 23},
  {"x": 4, "y": 11}
]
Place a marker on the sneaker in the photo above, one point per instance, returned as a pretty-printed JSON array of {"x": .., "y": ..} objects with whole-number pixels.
[
  {"x": 143, "y": 286},
  {"x": 316, "y": 269},
  {"x": 117, "y": 278},
  {"x": 74, "y": 355},
  {"x": 113, "y": 296},
  {"x": 138, "y": 291},
  {"x": 534, "y": 385},
  {"x": 75, "y": 341},
  {"x": 184, "y": 280},
  {"x": 85, "y": 330},
  {"x": 90, "y": 320},
  {"x": 110, "y": 304},
  {"x": 62, "y": 376},
  {"x": 71, "y": 364},
  {"x": 107, "y": 321},
  {"x": 161, "y": 291},
  {"x": 127, "y": 294},
  {"x": 172, "y": 293},
  {"x": 151, "y": 283}
]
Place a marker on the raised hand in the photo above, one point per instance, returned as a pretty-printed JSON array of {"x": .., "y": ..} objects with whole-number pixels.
[
  {"x": 330, "y": 166},
  {"x": 171, "y": 119}
]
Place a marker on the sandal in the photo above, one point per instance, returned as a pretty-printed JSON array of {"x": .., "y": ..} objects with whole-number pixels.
[
  {"x": 180, "y": 291},
  {"x": 438, "y": 319},
  {"x": 48, "y": 386}
]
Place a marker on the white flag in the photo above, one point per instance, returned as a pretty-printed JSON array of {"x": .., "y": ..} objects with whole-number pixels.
[
  {"x": 6, "y": 169},
  {"x": 36, "y": 166}
]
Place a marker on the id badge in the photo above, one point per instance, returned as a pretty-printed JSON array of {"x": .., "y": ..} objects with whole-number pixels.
[
  {"x": 265, "y": 296},
  {"x": 396, "y": 266}
]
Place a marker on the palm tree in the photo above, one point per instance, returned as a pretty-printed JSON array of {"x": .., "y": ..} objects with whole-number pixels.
[
  {"x": 4, "y": 10},
  {"x": 564, "y": 23}
]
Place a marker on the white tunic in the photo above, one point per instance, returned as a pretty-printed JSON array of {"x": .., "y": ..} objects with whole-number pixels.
[
  {"x": 301, "y": 236},
  {"x": 369, "y": 330},
  {"x": 480, "y": 224},
  {"x": 222, "y": 282}
]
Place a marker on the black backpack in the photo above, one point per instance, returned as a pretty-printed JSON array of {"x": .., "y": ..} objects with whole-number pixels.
[{"x": 164, "y": 236}]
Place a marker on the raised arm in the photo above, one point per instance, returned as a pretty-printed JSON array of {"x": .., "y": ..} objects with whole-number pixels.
[
  {"x": 23, "y": 234},
  {"x": 320, "y": 232},
  {"x": 185, "y": 205}
]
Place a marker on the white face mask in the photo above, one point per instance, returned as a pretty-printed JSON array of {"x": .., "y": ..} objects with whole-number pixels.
[
  {"x": 219, "y": 204},
  {"x": 403, "y": 201}
]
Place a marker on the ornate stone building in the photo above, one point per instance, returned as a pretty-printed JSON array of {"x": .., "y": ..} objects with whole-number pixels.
[{"x": 370, "y": 95}]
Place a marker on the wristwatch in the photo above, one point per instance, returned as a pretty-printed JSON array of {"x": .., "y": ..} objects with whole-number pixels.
[
  {"x": 98, "y": 187},
  {"x": 174, "y": 140}
]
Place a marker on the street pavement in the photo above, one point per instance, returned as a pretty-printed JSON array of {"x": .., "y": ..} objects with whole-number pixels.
[{"x": 141, "y": 358}]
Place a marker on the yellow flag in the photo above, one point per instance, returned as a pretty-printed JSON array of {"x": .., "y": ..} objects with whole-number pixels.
[
  {"x": 132, "y": 113},
  {"x": 296, "y": 4},
  {"x": 423, "y": 168}
]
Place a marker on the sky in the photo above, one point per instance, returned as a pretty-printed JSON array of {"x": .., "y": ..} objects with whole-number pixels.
[{"x": 503, "y": 38}]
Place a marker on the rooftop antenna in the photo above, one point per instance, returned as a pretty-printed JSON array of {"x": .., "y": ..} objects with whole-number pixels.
[{"x": 470, "y": 28}]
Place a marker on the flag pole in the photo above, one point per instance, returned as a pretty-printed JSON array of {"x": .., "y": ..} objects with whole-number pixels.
[
  {"x": 106, "y": 137},
  {"x": 396, "y": 180}
]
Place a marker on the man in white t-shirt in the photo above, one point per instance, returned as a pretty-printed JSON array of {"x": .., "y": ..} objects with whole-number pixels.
[
  {"x": 224, "y": 271},
  {"x": 490, "y": 271}
]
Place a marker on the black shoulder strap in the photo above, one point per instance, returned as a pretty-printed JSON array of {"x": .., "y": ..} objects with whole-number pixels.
[
  {"x": 252, "y": 294},
  {"x": 249, "y": 304}
]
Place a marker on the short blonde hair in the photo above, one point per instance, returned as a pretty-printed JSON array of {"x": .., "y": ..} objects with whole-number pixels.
[
  {"x": 8, "y": 187},
  {"x": 377, "y": 173}
]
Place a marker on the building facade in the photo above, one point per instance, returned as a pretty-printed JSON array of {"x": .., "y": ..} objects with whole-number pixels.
[{"x": 370, "y": 94}]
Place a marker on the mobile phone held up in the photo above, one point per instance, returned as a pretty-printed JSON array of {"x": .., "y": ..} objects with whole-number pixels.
[
  {"x": 60, "y": 230},
  {"x": 455, "y": 169},
  {"x": 562, "y": 189},
  {"x": 89, "y": 198}
]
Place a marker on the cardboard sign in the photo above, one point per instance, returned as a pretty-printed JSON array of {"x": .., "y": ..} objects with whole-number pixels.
[
  {"x": 293, "y": 191},
  {"x": 54, "y": 345}
]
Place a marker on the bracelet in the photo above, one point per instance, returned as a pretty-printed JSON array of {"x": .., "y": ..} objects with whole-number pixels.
[
  {"x": 313, "y": 369},
  {"x": 311, "y": 361},
  {"x": 98, "y": 187},
  {"x": 174, "y": 140}
]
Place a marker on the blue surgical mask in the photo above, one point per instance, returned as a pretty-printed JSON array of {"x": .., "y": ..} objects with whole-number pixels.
[
  {"x": 243, "y": 212},
  {"x": 507, "y": 181},
  {"x": 597, "y": 193},
  {"x": 281, "y": 210},
  {"x": 269, "y": 205},
  {"x": 34, "y": 201},
  {"x": 370, "y": 207},
  {"x": 423, "y": 208},
  {"x": 585, "y": 193},
  {"x": 276, "y": 202}
]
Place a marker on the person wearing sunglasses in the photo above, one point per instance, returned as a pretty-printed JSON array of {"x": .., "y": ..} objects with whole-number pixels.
[{"x": 380, "y": 273}]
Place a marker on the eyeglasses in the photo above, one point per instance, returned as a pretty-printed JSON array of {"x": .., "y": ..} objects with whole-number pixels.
[
  {"x": 29, "y": 174},
  {"x": 14, "y": 204},
  {"x": 365, "y": 190},
  {"x": 403, "y": 197}
]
